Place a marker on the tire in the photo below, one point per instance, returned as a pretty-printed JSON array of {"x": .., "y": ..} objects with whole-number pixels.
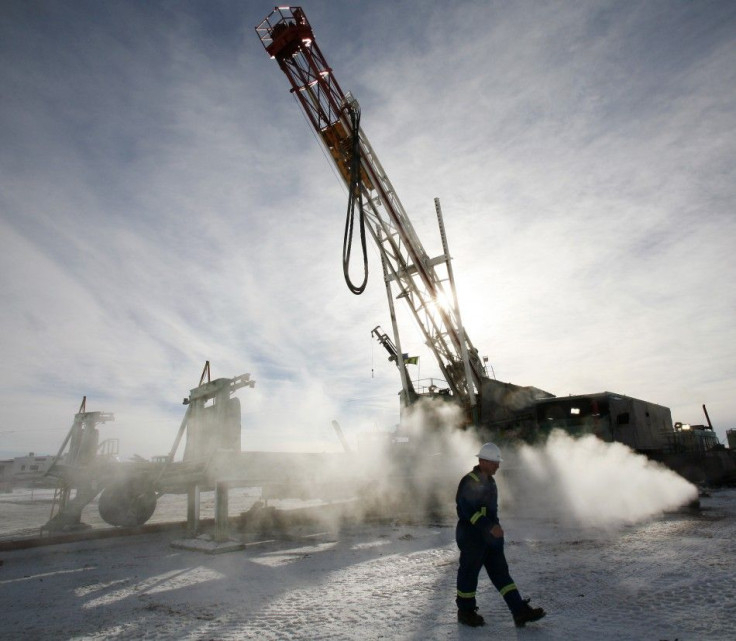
[{"x": 127, "y": 504}]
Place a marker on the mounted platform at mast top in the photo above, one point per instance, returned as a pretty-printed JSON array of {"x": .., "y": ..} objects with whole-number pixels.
[
  {"x": 287, "y": 37},
  {"x": 284, "y": 31}
]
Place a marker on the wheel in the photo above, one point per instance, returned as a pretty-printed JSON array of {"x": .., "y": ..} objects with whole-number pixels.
[{"x": 127, "y": 504}]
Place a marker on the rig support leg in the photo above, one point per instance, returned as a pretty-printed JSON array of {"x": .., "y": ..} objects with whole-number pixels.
[
  {"x": 222, "y": 523},
  {"x": 193, "y": 510}
]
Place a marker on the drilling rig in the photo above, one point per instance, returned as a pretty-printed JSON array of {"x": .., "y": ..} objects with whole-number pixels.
[
  {"x": 426, "y": 284},
  {"x": 79, "y": 468},
  {"x": 128, "y": 491}
]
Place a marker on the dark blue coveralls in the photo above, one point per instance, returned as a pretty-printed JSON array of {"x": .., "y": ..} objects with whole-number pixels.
[{"x": 477, "y": 511}]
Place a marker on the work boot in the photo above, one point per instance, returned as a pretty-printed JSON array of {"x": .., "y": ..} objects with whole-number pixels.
[
  {"x": 470, "y": 617},
  {"x": 527, "y": 614}
]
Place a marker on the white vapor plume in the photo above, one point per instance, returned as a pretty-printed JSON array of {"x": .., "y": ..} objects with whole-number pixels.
[
  {"x": 578, "y": 483},
  {"x": 590, "y": 483},
  {"x": 420, "y": 466}
]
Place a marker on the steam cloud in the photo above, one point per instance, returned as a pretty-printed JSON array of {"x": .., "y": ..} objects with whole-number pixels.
[
  {"x": 580, "y": 482},
  {"x": 419, "y": 468},
  {"x": 575, "y": 482},
  {"x": 590, "y": 483}
]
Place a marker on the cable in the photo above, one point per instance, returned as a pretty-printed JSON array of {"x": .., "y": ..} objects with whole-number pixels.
[{"x": 355, "y": 193}]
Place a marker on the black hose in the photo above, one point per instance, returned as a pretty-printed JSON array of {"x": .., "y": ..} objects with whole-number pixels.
[{"x": 355, "y": 195}]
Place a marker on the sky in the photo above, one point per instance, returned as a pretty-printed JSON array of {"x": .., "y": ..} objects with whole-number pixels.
[{"x": 163, "y": 203}]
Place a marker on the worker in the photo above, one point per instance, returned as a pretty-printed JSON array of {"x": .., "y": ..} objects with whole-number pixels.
[{"x": 480, "y": 539}]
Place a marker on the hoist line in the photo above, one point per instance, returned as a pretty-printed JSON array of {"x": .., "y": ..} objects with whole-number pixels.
[{"x": 355, "y": 193}]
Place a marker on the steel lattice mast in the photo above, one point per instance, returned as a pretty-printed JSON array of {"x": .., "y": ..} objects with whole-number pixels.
[{"x": 288, "y": 38}]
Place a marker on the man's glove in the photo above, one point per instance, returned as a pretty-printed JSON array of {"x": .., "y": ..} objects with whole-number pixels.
[{"x": 494, "y": 535}]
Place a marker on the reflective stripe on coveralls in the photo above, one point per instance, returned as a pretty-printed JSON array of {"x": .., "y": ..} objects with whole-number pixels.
[{"x": 477, "y": 515}]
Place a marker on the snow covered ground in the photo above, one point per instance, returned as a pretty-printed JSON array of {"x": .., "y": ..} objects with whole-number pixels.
[{"x": 670, "y": 577}]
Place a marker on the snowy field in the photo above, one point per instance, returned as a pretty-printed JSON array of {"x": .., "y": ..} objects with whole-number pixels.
[{"x": 669, "y": 577}]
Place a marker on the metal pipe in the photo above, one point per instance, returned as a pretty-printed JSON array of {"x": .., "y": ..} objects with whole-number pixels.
[
  {"x": 707, "y": 418},
  {"x": 461, "y": 329}
]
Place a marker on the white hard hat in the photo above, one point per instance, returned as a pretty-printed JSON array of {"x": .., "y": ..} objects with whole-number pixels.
[{"x": 490, "y": 452}]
